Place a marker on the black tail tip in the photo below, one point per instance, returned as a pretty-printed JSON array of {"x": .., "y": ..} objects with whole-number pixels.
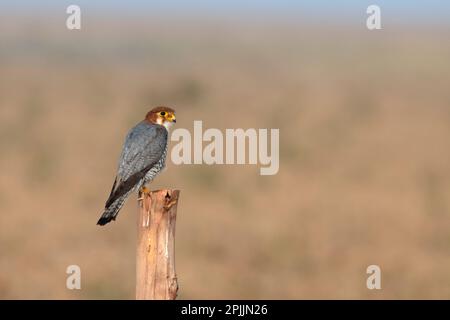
[{"x": 102, "y": 221}]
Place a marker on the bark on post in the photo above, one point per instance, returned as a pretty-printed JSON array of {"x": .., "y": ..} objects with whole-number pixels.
[{"x": 155, "y": 264}]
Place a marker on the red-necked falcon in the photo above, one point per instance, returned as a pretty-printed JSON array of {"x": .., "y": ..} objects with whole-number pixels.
[{"x": 143, "y": 157}]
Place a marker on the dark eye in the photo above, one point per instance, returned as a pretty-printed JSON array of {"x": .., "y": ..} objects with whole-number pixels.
[{"x": 163, "y": 113}]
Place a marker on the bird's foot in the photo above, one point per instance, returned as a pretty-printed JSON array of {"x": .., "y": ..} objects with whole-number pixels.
[{"x": 143, "y": 192}]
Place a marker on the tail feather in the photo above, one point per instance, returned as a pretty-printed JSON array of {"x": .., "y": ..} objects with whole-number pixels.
[{"x": 112, "y": 211}]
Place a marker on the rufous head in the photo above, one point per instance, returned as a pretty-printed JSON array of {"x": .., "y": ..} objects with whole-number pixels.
[{"x": 163, "y": 116}]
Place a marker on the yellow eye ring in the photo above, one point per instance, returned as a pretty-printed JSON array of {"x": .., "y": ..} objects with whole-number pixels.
[{"x": 162, "y": 113}]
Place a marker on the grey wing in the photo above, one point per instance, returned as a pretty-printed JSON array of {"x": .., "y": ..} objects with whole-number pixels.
[{"x": 143, "y": 148}]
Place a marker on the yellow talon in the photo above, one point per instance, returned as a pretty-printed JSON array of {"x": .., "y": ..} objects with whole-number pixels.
[{"x": 143, "y": 191}]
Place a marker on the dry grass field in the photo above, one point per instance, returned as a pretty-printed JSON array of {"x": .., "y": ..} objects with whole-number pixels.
[{"x": 364, "y": 173}]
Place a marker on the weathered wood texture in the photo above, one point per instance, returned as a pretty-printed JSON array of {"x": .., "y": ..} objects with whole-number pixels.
[{"x": 155, "y": 264}]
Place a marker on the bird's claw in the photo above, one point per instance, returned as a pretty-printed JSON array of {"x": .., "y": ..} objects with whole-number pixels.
[{"x": 143, "y": 192}]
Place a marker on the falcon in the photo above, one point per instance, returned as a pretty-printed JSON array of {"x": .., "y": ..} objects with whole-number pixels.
[{"x": 143, "y": 157}]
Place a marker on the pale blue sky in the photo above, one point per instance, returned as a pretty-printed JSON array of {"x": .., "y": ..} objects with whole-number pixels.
[{"x": 409, "y": 11}]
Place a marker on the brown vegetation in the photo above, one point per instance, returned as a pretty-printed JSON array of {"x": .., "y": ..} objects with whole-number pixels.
[{"x": 364, "y": 158}]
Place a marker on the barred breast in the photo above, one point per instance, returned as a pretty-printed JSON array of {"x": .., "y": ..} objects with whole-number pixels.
[{"x": 157, "y": 168}]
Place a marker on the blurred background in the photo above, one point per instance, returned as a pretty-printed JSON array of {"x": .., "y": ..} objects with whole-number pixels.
[{"x": 364, "y": 120}]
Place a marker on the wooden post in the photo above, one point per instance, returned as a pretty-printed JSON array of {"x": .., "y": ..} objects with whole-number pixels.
[{"x": 155, "y": 263}]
